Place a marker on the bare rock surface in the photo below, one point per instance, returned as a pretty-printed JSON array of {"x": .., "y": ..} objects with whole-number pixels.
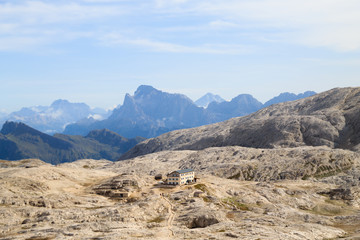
[
  {"x": 61, "y": 202},
  {"x": 330, "y": 119}
]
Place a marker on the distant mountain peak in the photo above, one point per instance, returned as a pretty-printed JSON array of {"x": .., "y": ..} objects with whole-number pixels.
[
  {"x": 145, "y": 90},
  {"x": 60, "y": 102},
  {"x": 243, "y": 97},
  {"x": 208, "y": 98}
]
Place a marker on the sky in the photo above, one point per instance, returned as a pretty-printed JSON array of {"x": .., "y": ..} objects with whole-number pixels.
[{"x": 96, "y": 51}]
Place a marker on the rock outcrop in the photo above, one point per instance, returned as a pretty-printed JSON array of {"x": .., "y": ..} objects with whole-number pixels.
[{"x": 202, "y": 221}]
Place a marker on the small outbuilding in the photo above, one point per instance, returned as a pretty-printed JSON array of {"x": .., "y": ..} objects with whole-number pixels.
[{"x": 158, "y": 177}]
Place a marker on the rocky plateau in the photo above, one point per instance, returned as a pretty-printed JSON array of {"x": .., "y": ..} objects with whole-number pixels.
[{"x": 302, "y": 193}]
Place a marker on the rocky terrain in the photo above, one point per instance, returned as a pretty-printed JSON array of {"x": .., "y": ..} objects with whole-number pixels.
[
  {"x": 330, "y": 118},
  {"x": 243, "y": 193},
  {"x": 289, "y": 171}
]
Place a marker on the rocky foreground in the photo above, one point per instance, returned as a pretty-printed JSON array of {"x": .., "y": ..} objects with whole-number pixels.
[{"x": 244, "y": 193}]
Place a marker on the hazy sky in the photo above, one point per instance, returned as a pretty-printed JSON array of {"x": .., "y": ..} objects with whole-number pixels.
[{"x": 95, "y": 51}]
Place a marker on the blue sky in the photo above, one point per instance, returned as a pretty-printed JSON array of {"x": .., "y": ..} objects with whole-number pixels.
[{"x": 96, "y": 51}]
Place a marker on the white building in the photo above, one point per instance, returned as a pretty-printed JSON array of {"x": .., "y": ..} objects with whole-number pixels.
[{"x": 181, "y": 177}]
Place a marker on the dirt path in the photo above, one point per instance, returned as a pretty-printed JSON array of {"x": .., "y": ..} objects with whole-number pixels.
[{"x": 171, "y": 216}]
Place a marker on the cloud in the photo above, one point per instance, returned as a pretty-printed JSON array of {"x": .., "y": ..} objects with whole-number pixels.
[
  {"x": 26, "y": 25},
  {"x": 158, "y": 46},
  {"x": 39, "y": 12},
  {"x": 223, "y": 24},
  {"x": 105, "y": 1},
  {"x": 166, "y": 3},
  {"x": 331, "y": 24},
  {"x": 20, "y": 43}
]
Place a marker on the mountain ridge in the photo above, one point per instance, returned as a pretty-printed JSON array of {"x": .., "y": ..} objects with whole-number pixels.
[
  {"x": 322, "y": 119},
  {"x": 287, "y": 96},
  {"x": 19, "y": 141}
]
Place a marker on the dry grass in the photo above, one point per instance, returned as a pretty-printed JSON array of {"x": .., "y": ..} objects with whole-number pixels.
[
  {"x": 232, "y": 201},
  {"x": 157, "y": 219}
]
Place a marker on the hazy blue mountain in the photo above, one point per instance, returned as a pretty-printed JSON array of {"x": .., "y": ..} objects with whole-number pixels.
[
  {"x": 208, "y": 98},
  {"x": 286, "y": 96},
  {"x": 241, "y": 105},
  {"x": 54, "y": 118},
  {"x": 148, "y": 113},
  {"x": 82, "y": 127},
  {"x": 19, "y": 141},
  {"x": 151, "y": 112}
]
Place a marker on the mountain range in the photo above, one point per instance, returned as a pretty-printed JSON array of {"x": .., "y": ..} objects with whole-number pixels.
[
  {"x": 148, "y": 113},
  {"x": 53, "y": 119},
  {"x": 19, "y": 141},
  {"x": 151, "y": 112},
  {"x": 330, "y": 118}
]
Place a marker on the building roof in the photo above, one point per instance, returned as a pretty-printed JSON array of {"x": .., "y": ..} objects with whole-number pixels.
[{"x": 185, "y": 170}]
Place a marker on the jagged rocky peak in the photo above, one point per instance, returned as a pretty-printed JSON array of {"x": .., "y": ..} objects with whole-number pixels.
[
  {"x": 10, "y": 127},
  {"x": 128, "y": 100},
  {"x": 153, "y": 94},
  {"x": 145, "y": 90}
]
